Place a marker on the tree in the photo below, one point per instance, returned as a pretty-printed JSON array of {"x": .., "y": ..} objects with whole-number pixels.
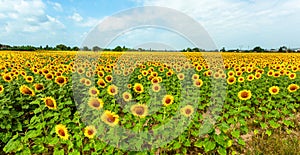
[
  {"x": 223, "y": 50},
  {"x": 283, "y": 49},
  {"x": 96, "y": 48},
  {"x": 196, "y": 49},
  {"x": 61, "y": 47},
  {"x": 118, "y": 48},
  {"x": 189, "y": 49},
  {"x": 85, "y": 48},
  {"x": 75, "y": 48},
  {"x": 258, "y": 49}
]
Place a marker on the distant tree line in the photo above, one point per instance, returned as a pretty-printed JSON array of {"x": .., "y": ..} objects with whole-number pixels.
[
  {"x": 62, "y": 47},
  {"x": 258, "y": 49}
]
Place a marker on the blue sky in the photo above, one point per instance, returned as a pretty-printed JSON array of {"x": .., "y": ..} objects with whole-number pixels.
[{"x": 230, "y": 23}]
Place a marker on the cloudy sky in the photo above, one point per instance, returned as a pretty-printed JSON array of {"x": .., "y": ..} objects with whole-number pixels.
[{"x": 230, "y": 23}]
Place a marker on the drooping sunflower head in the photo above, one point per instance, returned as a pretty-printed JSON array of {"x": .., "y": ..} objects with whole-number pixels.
[
  {"x": 274, "y": 90},
  {"x": 62, "y": 131},
  {"x": 293, "y": 87},
  {"x": 168, "y": 100},
  {"x": 93, "y": 91},
  {"x": 39, "y": 87},
  {"x": 187, "y": 111},
  {"x": 138, "y": 88},
  {"x": 26, "y": 90},
  {"x": 244, "y": 95},
  {"x": 110, "y": 118},
  {"x": 112, "y": 90},
  {"x": 95, "y": 103},
  {"x": 127, "y": 96},
  {"x": 50, "y": 102},
  {"x": 140, "y": 110},
  {"x": 90, "y": 131}
]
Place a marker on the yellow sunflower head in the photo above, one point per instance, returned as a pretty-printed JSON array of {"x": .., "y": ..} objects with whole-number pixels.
[
  {"x": 95, "y": 103},
  {"x": 110, "y": 118},
  {"x": 187, "y": 111},
  {"x": 138, "y": 88},
  {"x": 62, "y": 131},
  {"x": 90, "y": 131},
  {"x": 293, "y": 87},
  {"x": 26, "y": 90},
  {"x": 50, "y": 102},
  {"x": 93, "y": 91},
  {"x": 140, "y": 110},
  {"x": 244, "y": 95},
  {"x": 274, "y": 90},
  {"x": 112, "y": 90},
  {"x": 168, "y": 100}
]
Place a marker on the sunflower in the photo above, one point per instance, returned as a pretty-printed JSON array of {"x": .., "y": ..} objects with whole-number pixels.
[
  {"x": 95, "y": 103},
  {"x": 187, "y": 111},
  {"x": 1, "y": 89},
  {"x": 198, "y": 68},
  {"x": 292, "y": 76},
  {"x": 156, "y": 88},
  {"x": 244, "y": 94},
  {"x": 238, "y": 73},
  {"x": 257, "y": 75},
  {"x": 144, "y": 73},
  {"x": 155, "y": 80},
  {"x": 93, "y": 91},
  {"x": 168, "y": 100},
  {"x": 100, "y": 74},
  {"x": 87, "y": 82},
  {"x": 230, "y": 73},
  {"x": 82, "y": 80},
  {"x": 108, "y": 78},
  {"x": 112, "y": 90},
  {"x": 26, "y": 90},
  {"x": 250, "y": 77},
  {"x": 140, "y": 110},
  {"x": 49, "y": 76},
  {"x": 276, "y": 74},
  {"x": 39, "y": 87},
  {"x": 127, "y": 96},
  {"x": 241, "y": 79},
  {"x": 110, "y": 118},
  {"x": 29, "y": 79},
  {"x": 90, "y": 131},
  {"x": 198, "y": 83},
  {"x": 274, "y": 90},
  {"x": 50, "y": 102},
  {"x": 180, "y": 76},
  {"x": 7, "y": 77},
  {"x": 231, "y": 80},
  {"x": 60, "y": 80},
  {"x": 293, "y": 87},
  {"x": 62, "y": 131},
  {"x": 195, "y": 77},
  {"x": 138, "y": 88},
  {"x": 128, "y": 85},
  {"x": 80, "y": 70},
  {"x": 101, "y": 83}
]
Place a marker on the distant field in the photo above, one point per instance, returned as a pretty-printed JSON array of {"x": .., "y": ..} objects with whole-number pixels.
[{"x": 60, "y": 102}]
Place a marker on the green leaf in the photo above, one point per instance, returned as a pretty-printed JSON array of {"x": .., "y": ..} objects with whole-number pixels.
[
  {"x": 209, "y": 146},
  {"x": 269, "y": 132},
  {"x": 222, "y": 151},
  {"x": 235, "y": 133},
  {"x": 241, "y": 142},
  {"x": 14, "y": 145},
  {"x": 199, "y": 143}
]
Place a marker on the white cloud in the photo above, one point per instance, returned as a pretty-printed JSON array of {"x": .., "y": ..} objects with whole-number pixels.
[
  {"x": 26, "y": 16},
  {"x": 76, "y": 17},
  {"x": 80, "y": 21},
  {"x": 241, "y": 20},
  {"x": 56, "y": 6}
]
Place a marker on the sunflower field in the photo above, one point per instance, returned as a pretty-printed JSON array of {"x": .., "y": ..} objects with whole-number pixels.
[{"x": 149, "y": 103}]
